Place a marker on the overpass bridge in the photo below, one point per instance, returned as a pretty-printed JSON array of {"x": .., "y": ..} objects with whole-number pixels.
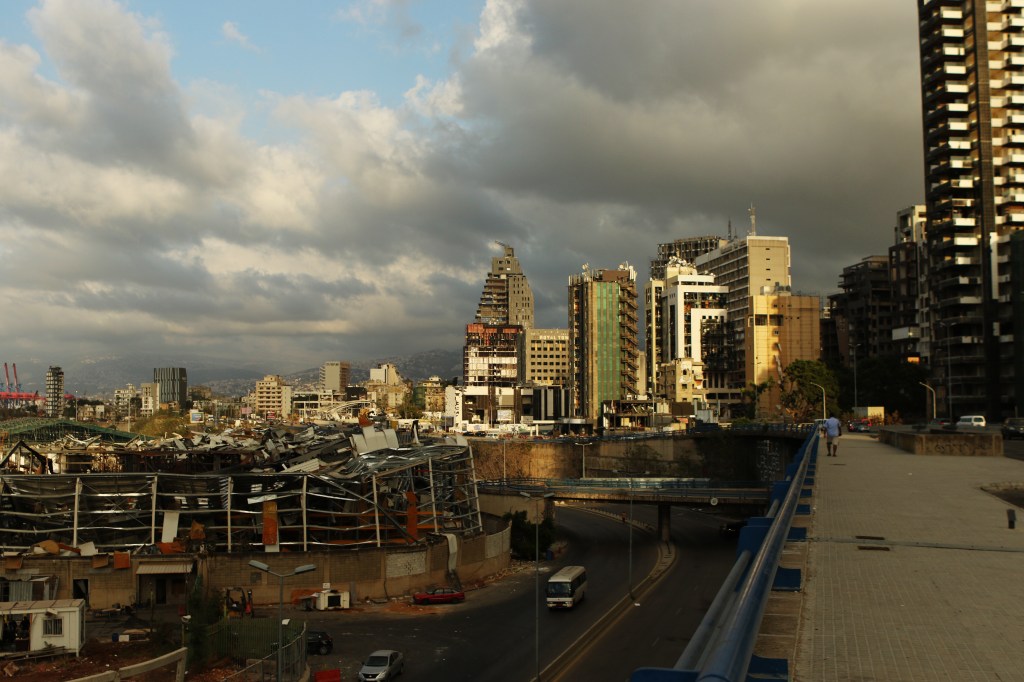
[{"x": 728, "y": 498}]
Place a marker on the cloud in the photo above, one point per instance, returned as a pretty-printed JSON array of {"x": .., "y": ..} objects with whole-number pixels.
[
  {"x": 233, "y": 34},
  {"x": 141, "y": 211}
]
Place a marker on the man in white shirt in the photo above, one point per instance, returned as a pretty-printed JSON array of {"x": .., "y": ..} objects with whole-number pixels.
[{"x": 833, "y": 429}]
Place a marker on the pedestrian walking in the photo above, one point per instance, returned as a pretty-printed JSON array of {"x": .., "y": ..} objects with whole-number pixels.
[{"x": 833, "y": 430}]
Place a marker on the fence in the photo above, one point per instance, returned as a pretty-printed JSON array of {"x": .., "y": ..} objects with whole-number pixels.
[{"x": 252, "y": 643}]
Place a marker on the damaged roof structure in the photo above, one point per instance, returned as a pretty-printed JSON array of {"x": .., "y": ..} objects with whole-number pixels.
[{"x": 276, "y": 490}]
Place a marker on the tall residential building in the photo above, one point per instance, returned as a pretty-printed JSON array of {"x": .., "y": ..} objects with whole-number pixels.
[
  {"x": 972, "y": 94},
  {"x": 507, "y": 297},
  {"x": 544, "y": 357},
  {"x": 334, "y": 376},
  {"x": 908, "y": 271},
  {"x": 692, "y": 357},
  {"x": 685, "y": 250},
  {"x": 490, "y": 356},
  {"x": 603, "y": 346},
  {"x": 749, "y": 266},
  {"x": 863, "y": 310},
  {"x": 54, "y": 392},
  {"x": 173, "y": 385}
]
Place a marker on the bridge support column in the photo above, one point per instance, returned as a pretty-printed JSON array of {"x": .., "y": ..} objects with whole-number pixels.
[{"x": 664, "y": 522}]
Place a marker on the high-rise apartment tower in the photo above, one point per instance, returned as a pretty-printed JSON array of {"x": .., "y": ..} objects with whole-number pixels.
[
  {"x": 603, "y": 350},
  {"x": 972, "y": 95},
  {"x": 54, "y": 392}
]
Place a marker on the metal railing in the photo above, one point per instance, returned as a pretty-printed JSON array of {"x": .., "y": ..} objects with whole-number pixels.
[{"x": 722, "y": 647}]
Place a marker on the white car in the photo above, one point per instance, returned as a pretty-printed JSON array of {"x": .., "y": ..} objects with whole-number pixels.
[
  {"x": 382, "y": 665},
  {"x": 971, "y": 420}
]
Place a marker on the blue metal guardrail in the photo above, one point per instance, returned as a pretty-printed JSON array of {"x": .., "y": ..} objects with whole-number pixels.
[{"x": 722, "y": 648}]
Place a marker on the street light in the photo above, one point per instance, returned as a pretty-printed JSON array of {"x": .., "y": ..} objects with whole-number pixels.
[
  {"x": 584, "y": 458},
  {"x": 629, "y": 573},
  {"x": 823, "y": 416},
  {"x": 536, "y": 586},
  {"x": 933, "y": 397},
  {"x": 305, "y": 568}
]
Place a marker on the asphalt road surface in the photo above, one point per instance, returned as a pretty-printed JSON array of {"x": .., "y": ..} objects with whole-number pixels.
[{"x": 492, "y": 635}]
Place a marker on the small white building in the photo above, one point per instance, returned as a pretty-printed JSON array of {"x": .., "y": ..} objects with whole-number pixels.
[{"x": 39, "y": 625}]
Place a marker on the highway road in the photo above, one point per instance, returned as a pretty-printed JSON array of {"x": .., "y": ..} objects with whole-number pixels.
[
  {"x": 656, "y": 629},
  {"x": 491, "y": 635}
]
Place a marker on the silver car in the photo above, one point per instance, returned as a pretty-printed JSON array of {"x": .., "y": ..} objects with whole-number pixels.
[{"x": 385, "y": 664}]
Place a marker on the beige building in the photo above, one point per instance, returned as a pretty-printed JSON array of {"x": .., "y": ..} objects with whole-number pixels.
[
  {"x": 386, "y": 387},
  {"x": 273, "y": 397},
  {"x": 760, "y": 311},
  {"x": 544, "y": 357},
  {"x": 334, "y": 377},
  {"x": 783, "y": 328}
]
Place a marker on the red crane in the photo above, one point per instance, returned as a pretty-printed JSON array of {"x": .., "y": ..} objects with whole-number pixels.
[{"x": 7, "y": 379}]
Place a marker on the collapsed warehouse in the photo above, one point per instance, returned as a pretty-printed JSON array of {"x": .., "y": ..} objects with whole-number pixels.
[{"x": 280, "y": 491}]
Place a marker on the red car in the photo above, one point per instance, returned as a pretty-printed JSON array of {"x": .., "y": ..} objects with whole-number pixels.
[{"x": 439, "y": 595}]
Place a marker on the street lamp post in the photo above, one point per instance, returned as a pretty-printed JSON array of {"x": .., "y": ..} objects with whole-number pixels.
[
  {"x": 933, "y": 397},
  {"x": 536, "y": 586},
  {"x": 629, "y": 571},
  {"x": 823, "y": 415},
  {"x": 584, "y": 445},
  {"x": 306, "y": 568}
]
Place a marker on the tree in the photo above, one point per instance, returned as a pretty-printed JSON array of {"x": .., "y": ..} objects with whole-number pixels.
[{"x": 799, "y": 394}]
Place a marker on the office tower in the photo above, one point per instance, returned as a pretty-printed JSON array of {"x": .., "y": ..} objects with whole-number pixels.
[
  {"x": 544, "y": 357},
  {"x": 506, "y": 298},
  {"x": 173, "y": 386},
  {"x": 334, "y": 377},
  {"x": 54, "y": 392},
  {"x": 693, "y": 352},
  {"x": 602, "y": 339},
  {"x": 749, "y": 266},
  {"x": 686, "y": 249},
  {"x": 972, "y": 94}
]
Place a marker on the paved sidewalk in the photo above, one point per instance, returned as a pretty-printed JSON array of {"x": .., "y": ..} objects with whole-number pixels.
[{"x": 911, "y": 570}]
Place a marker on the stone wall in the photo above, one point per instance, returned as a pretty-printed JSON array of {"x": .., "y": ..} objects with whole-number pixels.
[
  {"x": 368, "y": 573},
  {"x": 943, "y": 442}
]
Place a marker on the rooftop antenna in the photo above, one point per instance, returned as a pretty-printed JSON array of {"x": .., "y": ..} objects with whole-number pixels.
[{"x": 753, "y": 220}]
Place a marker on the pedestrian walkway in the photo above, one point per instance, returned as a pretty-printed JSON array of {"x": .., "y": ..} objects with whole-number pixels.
[{"x": 911, "y": 571}]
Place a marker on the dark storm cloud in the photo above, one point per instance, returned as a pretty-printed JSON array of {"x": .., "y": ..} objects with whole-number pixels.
[{"x": 577, "y": 131}]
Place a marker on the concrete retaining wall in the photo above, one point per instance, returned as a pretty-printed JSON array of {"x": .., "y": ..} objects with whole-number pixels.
[{"x": 941, "y": 442}]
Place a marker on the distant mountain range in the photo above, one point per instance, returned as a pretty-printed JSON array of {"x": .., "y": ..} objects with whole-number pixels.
[{"x": 99, "y": 377}]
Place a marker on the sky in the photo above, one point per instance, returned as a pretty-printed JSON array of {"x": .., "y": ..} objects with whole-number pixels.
[{"x": 290, "y": 183}]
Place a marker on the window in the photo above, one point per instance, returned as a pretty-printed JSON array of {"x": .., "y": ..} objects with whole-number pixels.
[{"x": 53, "y": 626}]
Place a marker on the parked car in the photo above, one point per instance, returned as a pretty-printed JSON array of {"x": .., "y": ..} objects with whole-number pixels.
[
  {"x": 382, "y": 665},
  {"x": 975, "y": 420},
  {"x": 439, "y": 595},
  {"x": 318, "y": 642},
  {"x": 1013, "y": 428}
]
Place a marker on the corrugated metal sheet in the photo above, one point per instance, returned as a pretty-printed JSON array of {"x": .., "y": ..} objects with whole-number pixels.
[{"x": 163, "y": 567}]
